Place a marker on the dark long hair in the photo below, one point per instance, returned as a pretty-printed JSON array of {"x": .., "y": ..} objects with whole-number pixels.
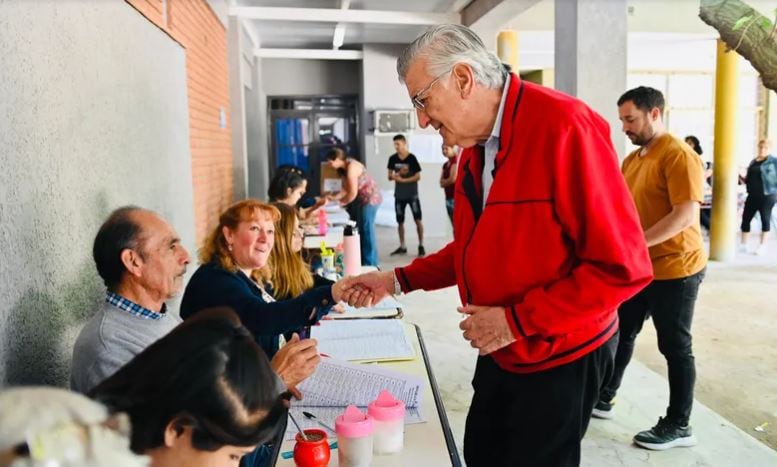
[
  {"x": 207, "y": 374},
  {"x": 282, "y": 182},
  {"x": 337, "y": 153}
]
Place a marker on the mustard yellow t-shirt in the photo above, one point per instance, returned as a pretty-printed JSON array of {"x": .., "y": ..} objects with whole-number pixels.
[{"x": 669, "y": 173}]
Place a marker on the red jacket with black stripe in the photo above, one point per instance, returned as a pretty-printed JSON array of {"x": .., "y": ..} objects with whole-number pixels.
[{"x": 558, "y": 245}]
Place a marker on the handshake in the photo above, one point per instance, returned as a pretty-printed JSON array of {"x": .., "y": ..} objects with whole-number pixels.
[{"x": 364, "y": 290}]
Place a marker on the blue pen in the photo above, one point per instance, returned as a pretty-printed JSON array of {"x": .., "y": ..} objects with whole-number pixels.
[{"x": 290, "y": 454}]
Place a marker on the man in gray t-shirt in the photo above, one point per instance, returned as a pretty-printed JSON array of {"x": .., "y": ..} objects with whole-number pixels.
[
  {"x": 405, "y": 171},
  {"x": 142, "y": 262}
]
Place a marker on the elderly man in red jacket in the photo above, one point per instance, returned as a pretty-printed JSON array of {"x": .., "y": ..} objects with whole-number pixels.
[{"x": 547, "y": 245}]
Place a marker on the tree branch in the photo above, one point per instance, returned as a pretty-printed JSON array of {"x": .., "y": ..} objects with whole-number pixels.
[{"x": 754, "y": 44}]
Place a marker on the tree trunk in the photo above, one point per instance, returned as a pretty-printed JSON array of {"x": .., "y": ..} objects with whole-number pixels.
[{"x": 750, "y": 41}]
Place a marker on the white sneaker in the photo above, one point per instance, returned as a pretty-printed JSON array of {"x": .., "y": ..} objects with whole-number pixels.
[
  {"x": 760, "y": 250},
  {"x": 742, "y": 248}
]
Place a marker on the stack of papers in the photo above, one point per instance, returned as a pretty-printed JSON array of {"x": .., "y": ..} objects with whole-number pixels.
[
  {"x": 387, "y": 308},
  {"x": 336, "y": 384},
  {"x": 363, "y": 340},
  {"x": 338, "y": 217}
]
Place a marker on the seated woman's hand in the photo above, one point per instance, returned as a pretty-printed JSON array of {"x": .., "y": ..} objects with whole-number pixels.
[
  {"x": 350, "y": 291},
  {"x": 295, "y": 361}
]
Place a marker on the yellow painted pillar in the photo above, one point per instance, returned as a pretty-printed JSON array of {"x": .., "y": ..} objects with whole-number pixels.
[
  {"x": 507, "y": 48},
  {"x": 723, "y": 231}
]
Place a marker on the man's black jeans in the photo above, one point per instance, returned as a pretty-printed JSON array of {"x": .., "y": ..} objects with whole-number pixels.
[{"x": 670, "y": 303}]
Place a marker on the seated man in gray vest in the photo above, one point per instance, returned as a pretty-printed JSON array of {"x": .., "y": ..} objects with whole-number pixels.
[{"x": 140, "y": 258}]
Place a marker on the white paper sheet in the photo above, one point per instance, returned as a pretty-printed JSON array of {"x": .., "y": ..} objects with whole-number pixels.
[
  {"x": 332, "y": 206},
  {"x": 339, "y": 384},
  {"x": 338, "y": 218},
  {"x": 388, "y": 303},
  {"x": 332, "y": 185},
  {"x": 336, "y": 384},
  {"x": 363, "y": 340},
  {"x": 389, "y": 307}
]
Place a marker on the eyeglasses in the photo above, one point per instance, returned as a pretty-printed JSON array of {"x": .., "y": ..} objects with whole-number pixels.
[{"x": 417, "y": 100}]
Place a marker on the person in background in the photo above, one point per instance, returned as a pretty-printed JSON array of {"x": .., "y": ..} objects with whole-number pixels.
[
  {"x": 448, "y": 176},
  {"x": 405, "y": 171},
  {"x": 538, "y": 296},
  {"x": 761, "y": 181},
  {"x": 361, "y": 192},
  {"x": 289, "y": 186},
  {"x": 82, "y": 433},
  {"x": 233, "y": 272},
  {"x": 665, "y": 178},
  {"x": 141, "y": 260},
  {"x": 705, "y": 212},
  {"x": 202, "y": 396}
]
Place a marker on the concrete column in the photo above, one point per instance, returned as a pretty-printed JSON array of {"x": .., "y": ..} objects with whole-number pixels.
[
  {"x": 237, "y": 108},
  {"x": 723, "y": 231},
  {"x": 507, "y": 48},
  {"x": 590, "y": 56}
]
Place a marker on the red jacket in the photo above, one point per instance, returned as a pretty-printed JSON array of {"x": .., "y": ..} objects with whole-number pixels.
[{"x": 558, "y": 245}]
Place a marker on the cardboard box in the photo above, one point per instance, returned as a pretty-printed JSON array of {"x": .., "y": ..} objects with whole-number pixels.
[{"x": 330, "y": 179}]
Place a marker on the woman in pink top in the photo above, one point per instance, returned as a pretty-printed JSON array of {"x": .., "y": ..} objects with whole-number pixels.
[{"x": 360, "y": 191}]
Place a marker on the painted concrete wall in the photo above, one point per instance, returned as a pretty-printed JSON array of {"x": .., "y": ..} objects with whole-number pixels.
[
  {"x": 248, "y": 114},
  {"x": 284, "y": 77},
  {"x": 257, "y": 135},
  {"x": 93, "y": 116},
  {"x": 383, "y": 91},
  {"x": 240, "y": 59}
]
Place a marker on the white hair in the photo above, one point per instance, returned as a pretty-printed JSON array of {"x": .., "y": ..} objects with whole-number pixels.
[
  {"x": 444, "y": 46},
  {"x": 53, "y": 422}
]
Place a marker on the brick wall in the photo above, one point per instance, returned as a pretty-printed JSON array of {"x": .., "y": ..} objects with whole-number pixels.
[{"x": 196, "y": 27}]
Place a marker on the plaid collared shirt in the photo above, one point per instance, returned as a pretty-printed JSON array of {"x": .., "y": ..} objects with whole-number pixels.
[{"x": 128, "y": 305}]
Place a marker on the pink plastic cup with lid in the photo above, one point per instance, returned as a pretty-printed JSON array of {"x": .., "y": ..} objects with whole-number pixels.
[
  {"x": 354, "y": 437},
  {"x": 389, "y": 415}
]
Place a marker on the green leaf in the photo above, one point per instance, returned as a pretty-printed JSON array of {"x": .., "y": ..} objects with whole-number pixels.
[
  {"x": 741, "y": 22},
  {"x": 765, "y": 23}
]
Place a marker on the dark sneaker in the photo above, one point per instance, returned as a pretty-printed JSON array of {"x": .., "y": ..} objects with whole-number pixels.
[
  {"x": 603, "y": 410},
  {"x": 399, "y": 251},
  {"x": 665, "y": 435},
  {"x": 421, "y": 251}
]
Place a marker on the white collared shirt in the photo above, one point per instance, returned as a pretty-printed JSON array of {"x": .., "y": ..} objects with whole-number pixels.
[{"x": 491, "y": 145}]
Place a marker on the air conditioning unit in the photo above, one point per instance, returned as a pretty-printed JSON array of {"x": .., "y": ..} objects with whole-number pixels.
[{"x": 393, "y": 121}]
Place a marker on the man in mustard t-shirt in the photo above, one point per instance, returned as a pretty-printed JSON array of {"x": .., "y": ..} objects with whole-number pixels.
[{"x": 666, "y": 180}]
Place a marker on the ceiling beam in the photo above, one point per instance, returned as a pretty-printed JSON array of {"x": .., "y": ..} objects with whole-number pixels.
[
  {"x": 316, "y": 54},
  {"x": 493, "y": 14},
  {"x": 332, "y": 15}
]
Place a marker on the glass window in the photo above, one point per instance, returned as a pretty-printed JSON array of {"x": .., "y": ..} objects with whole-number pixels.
[
  {"x": 291, "y": 142},
  {"x": 332, "y": 130}
]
